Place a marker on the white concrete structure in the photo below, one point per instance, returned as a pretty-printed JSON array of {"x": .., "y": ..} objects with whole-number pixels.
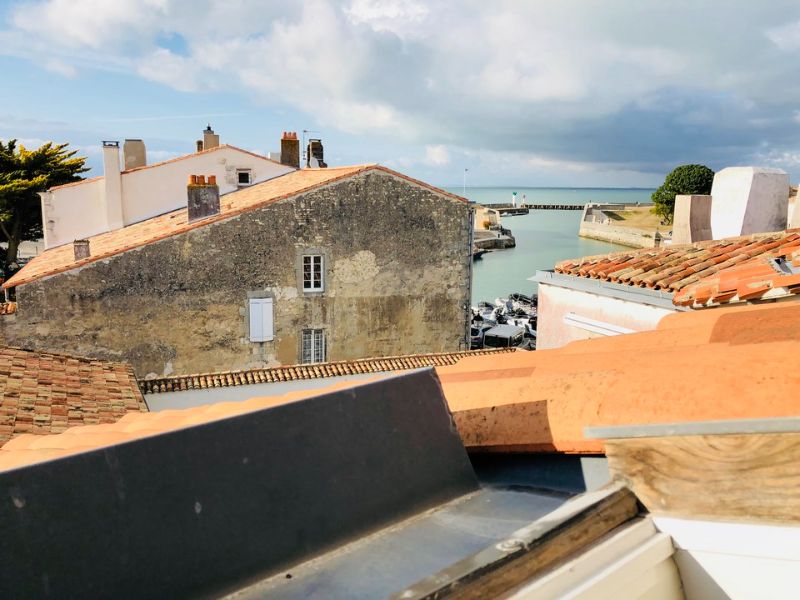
[
  {"x": 574, "y": 308},
  {"x": 692, "y": 221},
  {"x": 748, "y": 200},
  {"x": 120, "y": 198}
]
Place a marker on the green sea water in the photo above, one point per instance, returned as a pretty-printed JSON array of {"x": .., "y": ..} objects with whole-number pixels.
[{"x": 544, "y": 237}]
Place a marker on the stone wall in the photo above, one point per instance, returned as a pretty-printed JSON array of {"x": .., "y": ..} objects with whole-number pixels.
[
  {"x": 627, "y": 236},
  {"x": 396, "y": 282}
]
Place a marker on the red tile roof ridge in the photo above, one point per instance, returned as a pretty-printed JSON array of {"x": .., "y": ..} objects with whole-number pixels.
[
  {"x": 30, "y": 273},
  {"x": 310, "y": 371}
]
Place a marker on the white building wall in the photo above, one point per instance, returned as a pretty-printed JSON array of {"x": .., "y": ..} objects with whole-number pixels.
[
  {"x": 73, "y": 212},
  {"x": 556, "y": 303},
  {"x": 151, "y": 191},
  {"x": 76, "y": 212}
]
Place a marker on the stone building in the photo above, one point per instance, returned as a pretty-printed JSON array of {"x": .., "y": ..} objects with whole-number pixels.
[{"x": 315, "y": 265}]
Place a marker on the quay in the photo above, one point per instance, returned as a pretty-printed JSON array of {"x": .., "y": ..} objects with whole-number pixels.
[{"x": 506, "y": 208}]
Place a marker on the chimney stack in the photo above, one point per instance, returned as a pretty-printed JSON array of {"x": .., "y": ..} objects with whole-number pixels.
[
  {"x": 112, "y": 180},
  {"x": 290, "y": 149},
  {"x": 315, "y": 154},
  {"x": 203, "y": 198},
  {"x": 199, "y": 145},
  {"x": 210, "y": 139},
  {"x": 81, "y": 249},
  {"x": 134, "y": 154}
]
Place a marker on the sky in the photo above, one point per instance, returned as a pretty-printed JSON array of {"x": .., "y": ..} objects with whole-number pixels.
[{"x": 573, "y": 93}]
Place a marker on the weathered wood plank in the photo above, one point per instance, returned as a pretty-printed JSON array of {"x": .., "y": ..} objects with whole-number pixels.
[
  {"x": 531, "y": 550},
  {"x": 738, "y": 477}
]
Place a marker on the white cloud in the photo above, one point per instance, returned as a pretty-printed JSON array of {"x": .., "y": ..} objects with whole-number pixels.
[
  {"x": 437, "y": 155},
  {"x": 570, "y": 85}
]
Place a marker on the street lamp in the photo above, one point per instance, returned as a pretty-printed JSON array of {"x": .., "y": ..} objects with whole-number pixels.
[{"x": 465, "y": 183}]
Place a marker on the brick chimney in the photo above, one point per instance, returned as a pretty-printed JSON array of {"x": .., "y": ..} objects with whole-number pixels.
[
  {"x": 290, "y": 149},
  {"x": 210, "y": 139},
  {"x": 203, "y": 197},
  {"x": 315, "y": 155},
  {"x": 134, "y": 153},
  {"x": 81, "y": 249}
]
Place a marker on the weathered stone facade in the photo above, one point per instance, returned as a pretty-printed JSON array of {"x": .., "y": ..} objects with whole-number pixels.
[{"x": 397, "y": 281}]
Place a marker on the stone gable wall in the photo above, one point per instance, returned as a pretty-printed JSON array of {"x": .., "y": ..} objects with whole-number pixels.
[{"x": 396, "y": 282}]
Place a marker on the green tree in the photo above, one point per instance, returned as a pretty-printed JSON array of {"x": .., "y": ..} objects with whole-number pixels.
[
  {"x": 24, "y": 173},
  {"x": 686, "y": 179}
]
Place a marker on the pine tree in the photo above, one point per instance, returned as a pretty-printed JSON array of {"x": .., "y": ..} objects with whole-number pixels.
[{"x": 24, "y": 173}]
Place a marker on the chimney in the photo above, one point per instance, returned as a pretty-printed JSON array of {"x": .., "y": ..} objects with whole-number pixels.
[
  {"x": 199, "y": 145},
  {"x": 203, "y": 198},
  {"x": 210, "y": 139},
  {"x": 692, "y": 220},
  {"x": 134, "y": 153},
  {"x": 748, "y": 200},
  {"x": 81, "y": 249},
  {"x": 315, "y": 155},
  {"x": 112, "y": 181},
  {"x": 290, "y": 149}
]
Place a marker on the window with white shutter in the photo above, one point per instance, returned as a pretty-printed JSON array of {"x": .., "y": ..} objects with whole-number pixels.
[
  {"x": 313, "y": 346},
  {"x": 261, "y": 323}
]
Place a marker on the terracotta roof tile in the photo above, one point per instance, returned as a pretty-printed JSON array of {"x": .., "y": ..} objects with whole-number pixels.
[
  {"x": 8, "y": 308},
  {"x": 310, "y": 371},
  {"x": 728, "y": 363},
  {"x": 62, "y": 258},
  {"x": 42, "y": 392},
  {"x": 701, "y": 274}
]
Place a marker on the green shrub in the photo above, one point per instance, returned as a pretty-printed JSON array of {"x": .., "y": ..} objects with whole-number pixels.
[{"x": 686, "y": 179}]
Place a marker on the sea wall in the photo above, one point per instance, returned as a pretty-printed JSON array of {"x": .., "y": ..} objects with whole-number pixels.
[{"x": 627, "y": 236}]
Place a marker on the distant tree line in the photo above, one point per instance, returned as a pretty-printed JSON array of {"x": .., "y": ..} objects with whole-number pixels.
[
  {"x": 683, "y": 180},
  {"x": 24, "y": 173}
]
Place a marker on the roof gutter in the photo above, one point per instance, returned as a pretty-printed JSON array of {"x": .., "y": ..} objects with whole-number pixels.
[{"x": 630, "y": 293}]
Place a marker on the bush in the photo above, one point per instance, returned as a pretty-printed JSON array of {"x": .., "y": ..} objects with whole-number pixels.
[
  {"x": 487, "y": 224},
  {"x": 686, "y": 179}
]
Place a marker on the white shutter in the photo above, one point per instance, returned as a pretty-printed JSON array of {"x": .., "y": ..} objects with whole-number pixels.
[{"x": 261, "y": 322}]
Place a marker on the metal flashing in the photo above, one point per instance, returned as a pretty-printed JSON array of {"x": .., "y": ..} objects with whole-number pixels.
[
  {"x": 726, "y": 427},
  {"x": 630, "y": 293}
]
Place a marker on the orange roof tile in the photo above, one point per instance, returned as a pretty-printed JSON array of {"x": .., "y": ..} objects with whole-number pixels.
[
  {"x": 703, "y": 273},
  {"x": 8, "y": 308},
  {"x": 728, "y": 363},
  {"x": 42, "y": 392},
  {"x": 310, "y": 371},
  {"x": 62, "y": 258}
]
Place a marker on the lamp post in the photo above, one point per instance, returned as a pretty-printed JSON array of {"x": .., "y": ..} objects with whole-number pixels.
[{"x": 464, "y": 193}]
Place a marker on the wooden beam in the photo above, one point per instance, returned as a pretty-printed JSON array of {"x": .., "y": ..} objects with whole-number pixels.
[
  {"x": 736, "y": 477},
  {"x": 529, "y": 551}
]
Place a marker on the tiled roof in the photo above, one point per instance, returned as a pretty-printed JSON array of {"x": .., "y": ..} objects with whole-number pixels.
[
  {"x": 729, "y": 363},
  {"x": 62, "y": 258},
  {"x": 728, "y": 264},
  {"x": 43, "y": 393},
  {"x": 311, "y": 371},
  {"x": 8, "y": 308}
]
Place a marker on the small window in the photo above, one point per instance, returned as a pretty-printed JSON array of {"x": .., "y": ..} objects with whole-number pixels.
[
  {"x": 313, "y": 280},
  {"x": 313, "y": 349},
  {"x": 261, "y": 320},
  {"x": 243, "y": 176}
]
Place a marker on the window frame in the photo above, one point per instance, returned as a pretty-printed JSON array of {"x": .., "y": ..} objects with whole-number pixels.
[
  {"x": 319, "y": 272},
  {"x": 317, "y": 346},
  {"x": 249, "y": 173}
]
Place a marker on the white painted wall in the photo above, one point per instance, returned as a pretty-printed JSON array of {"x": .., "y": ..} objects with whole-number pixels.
[
  {"x": 76, "y": 212},
  {"x": 555, "y": 303},
  {"x": 748, "y": 200},
  {"x": 721, "y": 560},
  {"x": 73, "y": 212}
]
